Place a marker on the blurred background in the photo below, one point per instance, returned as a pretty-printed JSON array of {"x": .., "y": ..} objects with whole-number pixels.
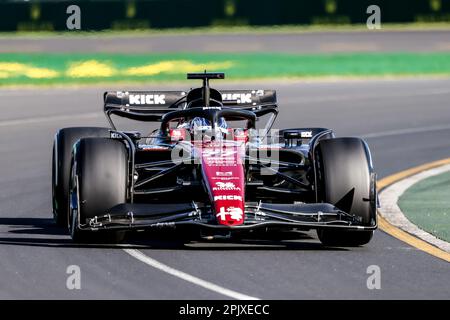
[
  {"x": 50, "y": 15},
  {"x": 46, "y": 42}
]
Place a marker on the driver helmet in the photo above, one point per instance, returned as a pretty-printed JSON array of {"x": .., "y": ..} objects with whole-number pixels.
[{"x": 202, "y": 124}]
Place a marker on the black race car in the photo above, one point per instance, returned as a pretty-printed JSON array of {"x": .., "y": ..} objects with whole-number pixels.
[{"x": 211, "y": 170}]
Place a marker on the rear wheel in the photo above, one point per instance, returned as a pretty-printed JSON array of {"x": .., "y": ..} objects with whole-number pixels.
[
  {"x": 98, "y": 182},
  {"x": 345, "y": 179},
  {"x": 61, "y": 158}
]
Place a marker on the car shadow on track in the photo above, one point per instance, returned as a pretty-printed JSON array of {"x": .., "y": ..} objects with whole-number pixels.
[
  {"x": 42, "y": 232},
  {"x": 37, "y": 232}
]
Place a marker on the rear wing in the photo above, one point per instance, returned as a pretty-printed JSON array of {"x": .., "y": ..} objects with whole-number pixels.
[
  {"x": 248, "y": 98},
  {"x": 142, "y": 105},
  {"x": 152, "y": 105}
]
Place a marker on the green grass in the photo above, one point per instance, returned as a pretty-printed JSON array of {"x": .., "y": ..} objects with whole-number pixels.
[
  {"x": 427, "y": 205},
  {"x": 236, "y": 66}
]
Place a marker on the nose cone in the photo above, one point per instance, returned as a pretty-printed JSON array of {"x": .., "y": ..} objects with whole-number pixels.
[
  {"x": 228, "y": 203},
  {"x": 223, "y": 173}
]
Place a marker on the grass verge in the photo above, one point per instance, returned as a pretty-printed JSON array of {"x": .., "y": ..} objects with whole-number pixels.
[
  {"x": 427, "y": 205},
  {"x": 276, "y": 29},
  {"x": 45, "y": 69}
]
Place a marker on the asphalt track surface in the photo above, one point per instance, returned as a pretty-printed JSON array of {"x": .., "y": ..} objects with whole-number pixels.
[
  {"x": 308, "y": 42},
  {"x": 406, "y": 123}
]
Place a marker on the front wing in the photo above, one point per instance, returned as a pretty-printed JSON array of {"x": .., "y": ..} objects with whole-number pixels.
[{"x": 306, "y": 216}]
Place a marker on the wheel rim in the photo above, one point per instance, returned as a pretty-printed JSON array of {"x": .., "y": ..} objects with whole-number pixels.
[{"x": 73, "y": 205}]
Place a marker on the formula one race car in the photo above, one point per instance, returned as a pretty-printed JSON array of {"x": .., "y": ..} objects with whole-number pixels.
[{"x": 211, "y": 171}]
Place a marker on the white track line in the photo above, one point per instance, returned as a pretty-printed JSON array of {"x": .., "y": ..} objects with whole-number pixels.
[
  {"x": 405, "y": 131},
  {"x": 15, "y": 122},
  {"x": 392, "y": 213},
  {"x": 187, "y": 277}
]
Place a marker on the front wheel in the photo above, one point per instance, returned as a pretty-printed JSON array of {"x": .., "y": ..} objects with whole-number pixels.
[
  {"x": 346, "y": 180},
  {"x": 98, "y": 182}
]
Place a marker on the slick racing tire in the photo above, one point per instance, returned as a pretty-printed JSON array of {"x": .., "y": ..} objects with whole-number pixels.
[
  {"x": 98, "y": 182},
  {"x": 61, "y": 157},
  {"x": 346, "y": 180}
]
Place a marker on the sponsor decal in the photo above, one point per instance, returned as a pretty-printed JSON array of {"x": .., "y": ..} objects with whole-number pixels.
[
  {"x": 224, "y": 173},
  {"x": 222, "y": 197},
  {"x": 225, "y": 186},
  {"x": 221, "y": 164},
  {"x": 225, "y": 178},
  {"x": 239, "y": 97},
  {"x": 240, "y": 133},
  {"x": 115, "y": 135},
  {"x": 162, "y": 224},
  {"x": 233, "y": 212},
  {"x": 306, "y": 134},
  {"x": 218, "y": 153},
  {"x": 214, "y": 108},
  {"x": 177, "y": 134},
  {"x": 136, "y": 99},
  {"x": 152, "y": 147}
]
